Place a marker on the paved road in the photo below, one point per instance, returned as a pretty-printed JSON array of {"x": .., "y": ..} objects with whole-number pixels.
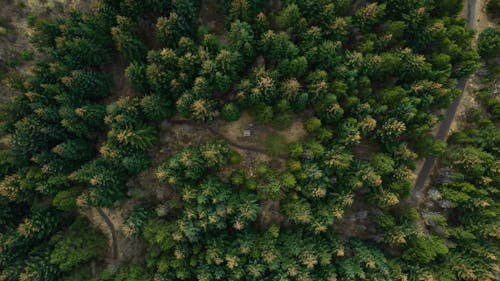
[{"x": 445, "y": 125}]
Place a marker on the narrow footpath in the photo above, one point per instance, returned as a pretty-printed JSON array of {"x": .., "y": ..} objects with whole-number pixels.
[{"x": 112, "y": 230}]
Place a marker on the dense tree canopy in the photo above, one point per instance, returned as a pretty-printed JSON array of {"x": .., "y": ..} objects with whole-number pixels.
[{"x": 367, "y": 81}]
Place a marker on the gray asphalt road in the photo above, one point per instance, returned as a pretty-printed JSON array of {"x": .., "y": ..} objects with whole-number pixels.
[{"x": 445, "y": 125}]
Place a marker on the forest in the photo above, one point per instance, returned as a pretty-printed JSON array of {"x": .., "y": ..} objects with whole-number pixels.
[{"x": 251, "y": 140}]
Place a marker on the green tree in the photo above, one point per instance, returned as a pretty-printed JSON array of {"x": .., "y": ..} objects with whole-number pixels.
[
  {"x": 74, "y": 150},
  {"x": 133, "y": 272},
  {"x": 291, "y": 19},
  {"x": 84, "y": 85},
  {"x": 65, "y": 200},
  {"x": 425, "y": 250},
  {"x": 78, "y": 245},
  {"x": 129, "y": 45},
  {"x": 156, "y": 107},
  {"x": 275, "y": 145},
  {"x": 493, "y": 9},
  {"x": 449, "y": 7},
  {"x": 137, "y": 76},
  {"x": 277, "y": 47},
  {"x": 489, "y": 43},
  {"x": 241, "y": 39},
  {"x": 312, "y": 124},
  {"x": 383, "y": 163},
  {"x": 263, "y": 113},
  {"x": 135, "y": 221},
  {"x": 230, "y": 112},
  {"x": 170, "y": 29},
  {"x": 106, "y": 182}
]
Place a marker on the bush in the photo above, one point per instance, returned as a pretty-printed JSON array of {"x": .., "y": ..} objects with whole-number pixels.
[
  {"x": 238, "y": 177},
  {"x": 275, "y": 145},
  {"x": 230, "y": 112},
  {"x": 79, "y": 244},
  {"x": 156, "y": 107},
  {"x": 282, "y": 121},
  {"x": 263, "y": 113},
  {"x": 262, "y": 169},
  {"x": 66, "y": 200},
  {"x": 27, "y": 55},
  {"x": 489, "y": 43},
  {"x": 312, "y": 124},
  {"x": 234, "y": 157},
  {"x": 493, "y": 9},
  {"x": 383, "y": 163},
  {"x": 296, "y": 150},
  {"x": 425, "y": 250}
]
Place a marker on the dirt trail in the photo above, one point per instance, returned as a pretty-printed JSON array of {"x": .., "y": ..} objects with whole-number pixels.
[
  {"x": 113, "y": 232},
  {"x": 229, "y": 141}
]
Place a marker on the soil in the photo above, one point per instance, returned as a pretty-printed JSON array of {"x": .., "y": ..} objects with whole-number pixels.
[
  {"x": 233, "y": 131},
  {"x": 211, "y": 19},
  {"x": 121, "y": 85},
  {"x": 13, "y": 17},
  {"x": 421, "y": 199},
  {"x": 358, "y": 220},
  {"x": 251, "y": 149}
]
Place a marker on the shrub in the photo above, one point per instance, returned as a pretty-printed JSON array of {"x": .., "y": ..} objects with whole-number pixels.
[
  {"x": 66, "y": 200},
  {"x": 489, "y": 43},
  {"x": 27, "y": 55},
  {"x": 312, "y": 124},
  {"x": 231, "y": 112},
  {"x": 282, "y": 121},
  {"x": 263, "y": 113},
  {"x": 296, "y": 150},
  {"x": 238, "y": 177},
  {"x": 262, "y": 169},
  {"x": 234, "y": 157},
  {"x": 275, "y": 145},
  {"x": 493, "y": 9},
  {"x": 79, "y": 244}
]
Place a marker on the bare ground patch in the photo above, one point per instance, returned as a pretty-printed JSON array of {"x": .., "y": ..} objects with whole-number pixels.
[
  {"x": 365, "y": 151},
  {"x": 234, "y": 131},
  {"x": 121, "y": 85},
  {"x": 210, "y": 18}
]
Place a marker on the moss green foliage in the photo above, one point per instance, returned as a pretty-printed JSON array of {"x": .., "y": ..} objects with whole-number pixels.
[
  {"x": 79, "y": 244},
  {"x": 275, "y": 145},
  {"x": 471, "y": 190},
  {"x": 231, "y": 112},
  {"x": 489, "y": 43},
  {"x": 367, "y": 79},
  {"x": 493, "y": 9}
]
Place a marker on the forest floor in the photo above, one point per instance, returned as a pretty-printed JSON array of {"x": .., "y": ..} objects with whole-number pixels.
[{"x": 17, "y": 55}]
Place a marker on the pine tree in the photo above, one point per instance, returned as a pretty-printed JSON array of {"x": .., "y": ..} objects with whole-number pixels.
[
  {"x": 129, "y": 45},
  {"x": 77, "y": 245}
]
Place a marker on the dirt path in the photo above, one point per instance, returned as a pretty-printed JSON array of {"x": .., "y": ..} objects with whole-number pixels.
[
  {"x": 419, "y": 189},
  {"x": 113, "y": 232},
  {"x": 229, "y": 141}
]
